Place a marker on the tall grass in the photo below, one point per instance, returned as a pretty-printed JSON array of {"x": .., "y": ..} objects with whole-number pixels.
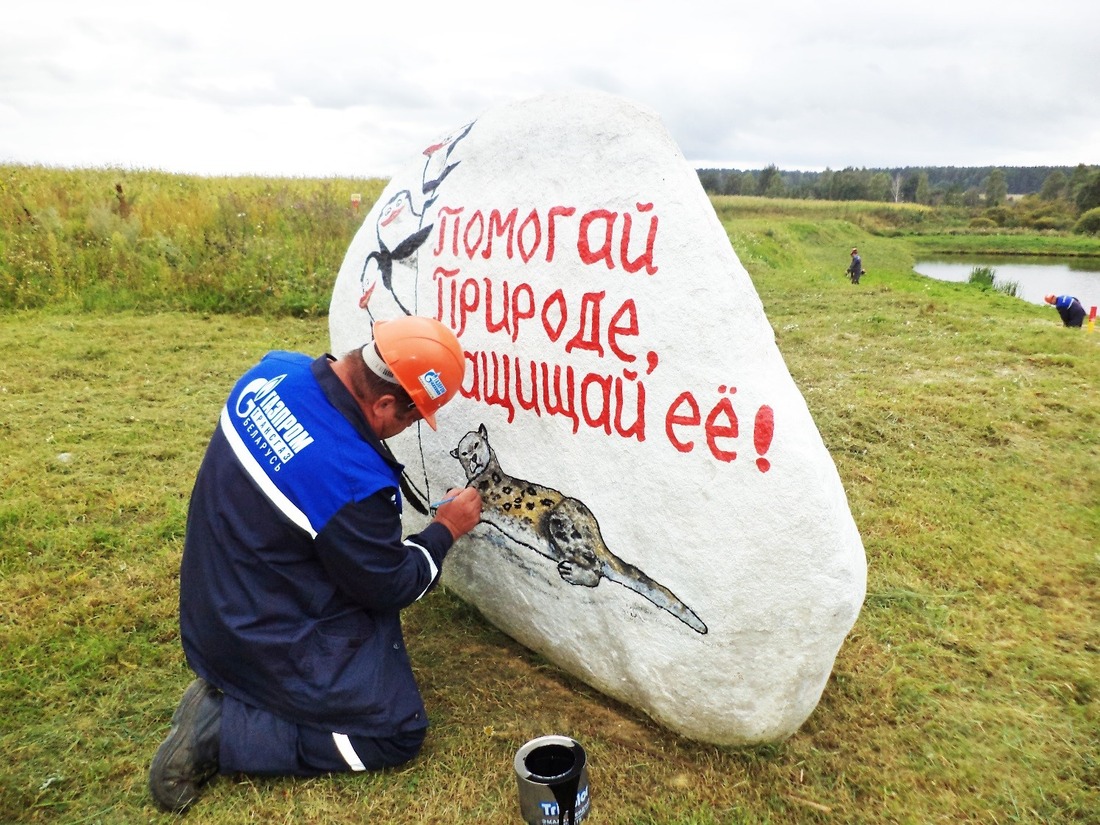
[
  {"x": 985, "y": 278},
  {"x": 965, "y": 426},
  {"x": 111, "y": 239}
]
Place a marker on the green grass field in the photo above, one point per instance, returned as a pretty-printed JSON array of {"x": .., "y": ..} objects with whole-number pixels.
[{"x": 965, "y": 426}]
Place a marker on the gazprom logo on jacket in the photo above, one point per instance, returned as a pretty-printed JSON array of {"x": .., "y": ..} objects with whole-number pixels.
[{"x": 269, "y": 423}]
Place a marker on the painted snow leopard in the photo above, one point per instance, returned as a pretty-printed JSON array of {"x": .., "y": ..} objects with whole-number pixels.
[{"x": 555, "y": 526}]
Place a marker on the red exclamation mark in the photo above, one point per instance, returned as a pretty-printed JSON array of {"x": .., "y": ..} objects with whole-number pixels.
[{"x": 762, "y": 436}]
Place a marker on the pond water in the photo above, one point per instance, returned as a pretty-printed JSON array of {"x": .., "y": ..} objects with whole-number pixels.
[{"x": 1036, "y": 277}]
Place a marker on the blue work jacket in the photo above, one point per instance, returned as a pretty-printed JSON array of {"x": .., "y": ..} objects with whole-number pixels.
[{"x": 294, "y": 571}]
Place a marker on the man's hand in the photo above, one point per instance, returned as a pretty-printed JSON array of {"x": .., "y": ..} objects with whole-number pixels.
[{"x": 461, "y": 514}]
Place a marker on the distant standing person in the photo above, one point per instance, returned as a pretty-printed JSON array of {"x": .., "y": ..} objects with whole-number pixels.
[
  {"x": 855, "y": 268},
  {"x": 1071, "y": 310}
]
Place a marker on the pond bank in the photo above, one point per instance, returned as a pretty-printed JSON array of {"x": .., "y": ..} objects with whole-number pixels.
[
  {"x": 1043, "y": 246},
  {"x": 1035, "y": 276}
]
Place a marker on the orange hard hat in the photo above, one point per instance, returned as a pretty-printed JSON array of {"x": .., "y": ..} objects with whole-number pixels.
[
  {"x": 425, "y": 359},
  {"x": 1049, "y": 299}
]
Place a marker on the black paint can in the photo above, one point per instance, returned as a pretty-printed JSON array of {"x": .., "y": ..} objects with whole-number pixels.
[{"x": 552, "y": 773}]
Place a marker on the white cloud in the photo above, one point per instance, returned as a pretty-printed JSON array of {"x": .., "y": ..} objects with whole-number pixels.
[{"x": 348, "y": 88}]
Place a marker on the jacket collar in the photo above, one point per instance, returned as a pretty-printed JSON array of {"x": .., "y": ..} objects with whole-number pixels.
[{"x": 341, "y": 398}]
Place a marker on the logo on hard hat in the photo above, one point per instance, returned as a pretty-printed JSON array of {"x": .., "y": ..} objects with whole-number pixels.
[{"x": 433, "y": 384}]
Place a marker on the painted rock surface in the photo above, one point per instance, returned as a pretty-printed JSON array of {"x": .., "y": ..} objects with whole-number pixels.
[{"x": 662, "y": 519}]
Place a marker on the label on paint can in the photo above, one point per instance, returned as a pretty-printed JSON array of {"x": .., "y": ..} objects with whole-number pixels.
[{"x": 552, "y": 775}]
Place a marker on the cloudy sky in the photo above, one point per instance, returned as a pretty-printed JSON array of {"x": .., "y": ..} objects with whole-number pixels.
[{"x": 332, "y": 87}]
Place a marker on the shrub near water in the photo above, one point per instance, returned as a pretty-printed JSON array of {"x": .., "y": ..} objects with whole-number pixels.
[
  {"x": 115, "y": 239},
  {"x": 984, "y": 277},
  {"x": 1089, "y": 223}
]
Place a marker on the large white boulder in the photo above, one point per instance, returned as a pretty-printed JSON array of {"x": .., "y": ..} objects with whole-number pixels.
[{"x": 662, "y": 519}]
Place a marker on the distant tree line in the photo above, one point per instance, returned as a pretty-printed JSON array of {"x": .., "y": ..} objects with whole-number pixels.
[
  {"x": 1055, "y": 197},
  {"x": 912, "y": 184}
]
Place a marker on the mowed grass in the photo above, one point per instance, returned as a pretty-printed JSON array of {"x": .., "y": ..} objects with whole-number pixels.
[{"x": 965, "y": 426}]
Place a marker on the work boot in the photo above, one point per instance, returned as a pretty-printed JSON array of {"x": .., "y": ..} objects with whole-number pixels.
[{"x": 188, "y": 757}]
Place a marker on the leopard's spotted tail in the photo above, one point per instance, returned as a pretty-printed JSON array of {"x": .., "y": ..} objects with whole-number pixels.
[{"x": 634, "y": 579}]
